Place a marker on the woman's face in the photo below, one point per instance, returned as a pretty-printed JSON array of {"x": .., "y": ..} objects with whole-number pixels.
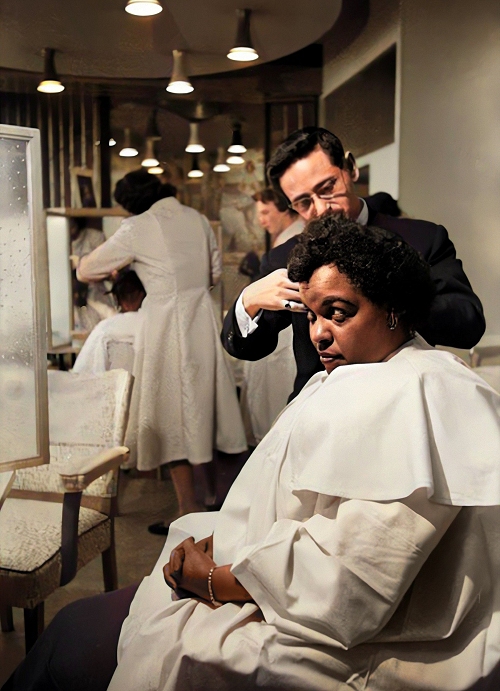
[{"x": 345, "y": 327}]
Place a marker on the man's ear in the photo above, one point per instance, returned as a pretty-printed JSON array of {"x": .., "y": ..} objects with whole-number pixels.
[{"x": 351, "y": 166}]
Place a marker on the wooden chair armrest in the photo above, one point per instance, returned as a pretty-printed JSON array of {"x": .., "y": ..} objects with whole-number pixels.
[
  {"x": 76, "y": 476},
  {"x": 6, "y": 481}
]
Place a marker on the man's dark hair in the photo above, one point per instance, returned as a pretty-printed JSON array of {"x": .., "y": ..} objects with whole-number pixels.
[
  {"x": 139, "y": 190},
  {"x": 379, "y": 264},
  {"x": 299, "y": 145},
  {"x": 268, "y": 196},
  {"x": 128, "y": 287}
]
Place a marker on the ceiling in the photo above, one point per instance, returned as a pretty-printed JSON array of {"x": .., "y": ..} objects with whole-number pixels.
[{"x": 97, "y": 39}]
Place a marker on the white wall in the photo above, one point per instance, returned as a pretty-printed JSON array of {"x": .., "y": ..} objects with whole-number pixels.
[
  {"x": 384, "y": 169},
  {"x": 450, "y": 131}
]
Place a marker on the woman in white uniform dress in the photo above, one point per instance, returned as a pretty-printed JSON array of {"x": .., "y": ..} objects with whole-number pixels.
[
  {"x": 359, "y": 548},
  {"x": 184, "y": 401}
]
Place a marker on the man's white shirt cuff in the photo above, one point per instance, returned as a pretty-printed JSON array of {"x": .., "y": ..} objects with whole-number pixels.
[{"x": 246, "y": 324}]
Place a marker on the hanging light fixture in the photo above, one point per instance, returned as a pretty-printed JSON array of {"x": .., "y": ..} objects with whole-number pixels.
[
  {"x": 128, "y": 151},
  {"x": 195, "y": 171},
  {"x": 50, "y": 84},
  {"x": 236, "y": 146},
  {"x": 156, "y": 170},
  {"x": 235, "y": 160},
  {"x": 194, "y": 145},
  {"x": 150, "y": 160},
  {"x": 143, "y": 8},
  {"x": 112, "y": 142},
  {"x": 221, "y": 165},
  {"x": 179, "y": 81},
  {"x": 243, "y": 50}
]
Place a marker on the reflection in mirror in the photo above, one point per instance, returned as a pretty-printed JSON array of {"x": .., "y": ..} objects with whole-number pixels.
[
  {"x": 61, "y": 294},
  {"x": 23, "y": 389}
]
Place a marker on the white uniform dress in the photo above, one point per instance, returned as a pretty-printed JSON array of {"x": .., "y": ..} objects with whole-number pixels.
[
  {"x": 184, "y": 401},
  {"x": 366, "y": 528},
  {"x": 269, "y": 381}
]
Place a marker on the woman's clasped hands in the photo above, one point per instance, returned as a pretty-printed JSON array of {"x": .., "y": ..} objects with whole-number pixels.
[{"x": 188, "y": 570}]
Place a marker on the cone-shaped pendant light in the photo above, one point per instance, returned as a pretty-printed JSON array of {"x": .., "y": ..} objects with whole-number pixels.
[
  {"x": 128, "y": 151},
  {"x": 179, "y": 81},
  {"x": 150, "y": 160},
  {"x": 194, "y": 145},
  {"x": 50, "y": 84},
  {"x": 143, "y": 8},
  {"x": 243, "y": 50},
  {"x": 221, "y": 165},
  {"x": 236, "y": 146},
  {"x": 195, "y": 171}
]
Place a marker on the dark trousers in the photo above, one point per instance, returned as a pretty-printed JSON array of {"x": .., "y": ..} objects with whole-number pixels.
[{"x": 77, "y": 651}]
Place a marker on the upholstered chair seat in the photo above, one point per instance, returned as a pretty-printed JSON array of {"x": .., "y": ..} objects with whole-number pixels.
[{"x": 58, "y": 517}]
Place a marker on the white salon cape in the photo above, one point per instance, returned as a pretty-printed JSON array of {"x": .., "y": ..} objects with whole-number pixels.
[
  {"x": 95, "y": 355},
  {"x": 184, "y": 400},
  {"x": 366, "y": 527}
]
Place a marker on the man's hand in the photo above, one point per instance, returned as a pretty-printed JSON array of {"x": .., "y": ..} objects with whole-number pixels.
[{"x": 270, "y": 293}]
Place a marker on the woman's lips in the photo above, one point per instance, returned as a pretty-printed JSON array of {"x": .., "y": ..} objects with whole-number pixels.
[{"x": 330, "y": 357}]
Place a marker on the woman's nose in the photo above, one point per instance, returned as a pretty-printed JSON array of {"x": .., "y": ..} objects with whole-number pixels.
[{"x": 320, "y": 335}]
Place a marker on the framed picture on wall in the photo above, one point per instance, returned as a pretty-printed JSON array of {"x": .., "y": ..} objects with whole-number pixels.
[{"x": 84, "y": 182}]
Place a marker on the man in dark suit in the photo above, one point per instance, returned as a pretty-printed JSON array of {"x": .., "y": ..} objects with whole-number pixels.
[{"x": 313, "y": 171}]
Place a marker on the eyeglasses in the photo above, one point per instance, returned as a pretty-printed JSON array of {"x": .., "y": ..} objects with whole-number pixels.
[{"x": 326, "y": 193}]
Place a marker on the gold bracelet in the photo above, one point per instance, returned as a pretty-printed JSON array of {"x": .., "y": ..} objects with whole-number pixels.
[{"x": 210, "y": 589}]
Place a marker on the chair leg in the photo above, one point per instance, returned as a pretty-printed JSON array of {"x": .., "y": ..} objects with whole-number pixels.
[
  {"x": 109, "y": 568},
  {"x": 33, "y": 625},
  {"x": 6, "y": 618}
]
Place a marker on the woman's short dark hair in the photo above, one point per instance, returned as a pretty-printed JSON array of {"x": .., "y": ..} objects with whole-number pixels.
[
  {"x": 139, "y": 190},
  {"x": 268, "y": 196},
  {"x": 299, "y": 145},
  {"x": 382, "y": 266}
]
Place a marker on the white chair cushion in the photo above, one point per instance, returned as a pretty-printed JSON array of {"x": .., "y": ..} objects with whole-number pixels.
[{"x": 30, "y": 532}]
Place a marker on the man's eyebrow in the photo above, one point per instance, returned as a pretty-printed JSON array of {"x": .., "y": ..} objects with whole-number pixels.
[{"x": 318, "y": 185}]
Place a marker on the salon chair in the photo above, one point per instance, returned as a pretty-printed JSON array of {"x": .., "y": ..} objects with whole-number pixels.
[{"x": 58, "y": 517}]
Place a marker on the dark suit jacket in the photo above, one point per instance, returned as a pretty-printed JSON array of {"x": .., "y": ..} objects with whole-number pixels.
[{"x": 456, "y": 317}]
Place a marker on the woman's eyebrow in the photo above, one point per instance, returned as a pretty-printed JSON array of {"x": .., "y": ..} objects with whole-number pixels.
[{"x": 330, "y": 299}]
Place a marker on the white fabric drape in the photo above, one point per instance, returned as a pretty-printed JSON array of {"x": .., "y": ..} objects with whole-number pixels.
[
  {"x": 352, "y": 592},
  {"x": 184, "y": 400}
]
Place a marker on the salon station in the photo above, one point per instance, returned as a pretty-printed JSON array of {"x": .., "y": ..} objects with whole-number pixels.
[{"x": 249, "y": 345}]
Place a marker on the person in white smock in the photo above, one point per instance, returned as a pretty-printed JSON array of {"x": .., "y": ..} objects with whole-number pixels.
[
  {"x": 269, "y": 381},
  {"x": 184, "y": 400},
  {"x": 359, "y": 548},
  {"x": 115, "y": 336}
]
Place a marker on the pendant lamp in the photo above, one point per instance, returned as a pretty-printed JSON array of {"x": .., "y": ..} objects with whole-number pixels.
[
  {"x": 150, "y": 160},
  {"x": 50, "y": 84},
  {"x": 221, "y": 165},
  {"x": 143, "y": 8},
  {"x": 235, "y": 160},
  {"x": 155, "y": 170},
  {"x": 179, "y": 81},
  {"x": 236, "y": 146},
  {"x": 112, "y": 142},
  {"x": 194, "y": 145},
  {"x": 128, "y": 151},
  {"x": 195, "y": 171},
  {"x": 243, "y": 50}
]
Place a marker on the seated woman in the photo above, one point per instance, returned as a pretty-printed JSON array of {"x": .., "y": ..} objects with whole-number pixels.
[{"x": 359, "y": 547}]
